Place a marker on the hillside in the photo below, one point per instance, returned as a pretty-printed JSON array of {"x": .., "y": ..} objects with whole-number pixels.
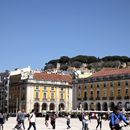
[{"x": 88, "y": 62}]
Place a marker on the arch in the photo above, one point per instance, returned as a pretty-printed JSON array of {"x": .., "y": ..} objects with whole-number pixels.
[
  {"x": 52, "y": 106},
  {"x": 111, "y": 106},
  {"x": 44, "y": 106},
  {"x": 91, "y": 106},
  {"x": 61, "y": 106},
  {"x": 104, "y": 106},
  {"x": 127, "y": 106},
  {"x": 36, "y": 107},
  {"x": 85, "y": 106},
  {"x": 98, "y": 106}
]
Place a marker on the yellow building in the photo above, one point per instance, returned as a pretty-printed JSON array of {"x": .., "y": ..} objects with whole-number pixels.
[
  {"x": 103, "y": 90},
  {"x": 42, "y": 91}
]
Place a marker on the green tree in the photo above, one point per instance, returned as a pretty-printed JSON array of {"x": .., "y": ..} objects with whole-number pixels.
[
  {"x": 76, "y": 64},
  {"x": 64, "y": 59},
  {"x": 64, "y": 67}
]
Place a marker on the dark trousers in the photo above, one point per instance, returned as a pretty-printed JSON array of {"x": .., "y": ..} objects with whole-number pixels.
[
  {"x": 32, "y": 124},
  {"x": 99, "y": 123},
  {"x": 117, "y": 127},
  {"x": 68, "y": 124},
  {"x": 53, "y": 124}
]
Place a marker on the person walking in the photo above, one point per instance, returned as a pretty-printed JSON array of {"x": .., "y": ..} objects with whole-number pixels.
[
  {"x": 23, "y": 118},
  {"x": 85, "y": 120},
  {"x": 68, "y": 121},
  {"x": 32, "y": 120},
  {"x": 46, "y": 119},
  {"x": 99, "y": 121},
  {"x": 116, "y": 117},
  {"x": 1, "y": 121},
  {"x": 90, "y": 116},
  {"x": 18, "y": 118},
  {"x": 53, "y": 120}
]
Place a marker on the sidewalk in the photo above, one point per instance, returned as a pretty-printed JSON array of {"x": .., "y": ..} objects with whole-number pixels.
[{"x": 60, "y": 124}]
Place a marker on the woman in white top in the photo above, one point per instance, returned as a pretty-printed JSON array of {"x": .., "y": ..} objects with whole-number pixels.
[
  {"x": 32, "y": 120},
  {"x": 85, "y": 121}
]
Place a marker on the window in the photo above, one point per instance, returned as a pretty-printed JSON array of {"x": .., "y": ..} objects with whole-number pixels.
[
  {"x": 44, "y": 88},
  {"x": 52, "y": 88},
  {"x": 104, "y": 84},
  {"x": 91, "y": 86},
  {"x": 52, "y": 95},
  {"x": 111, "y": 93},
  {"x": 97, "y": 85},
  {"x": 61, "y": 95},
  {"x": 111, "y": 84},
  {"x": 104, "y": 93},
  {"x": 126, "y": 83},
  {"x": 79, "y": 86},
  {"x": 126, "y": 92},
  {"x": 119, "y": 92},
  {"x": 85, "y": 94},
  {"x": 85, "y": 87},
  {"x": 37, "y": 86},
  {"x": 91, "y": 93},
  {"x": 37, "y": 94},
  {"x": 44, "y": 95},
  {"x": 98, "y": 93},
  {"x": 119, "y": 83},
  {"x": 61, "y": 89}
]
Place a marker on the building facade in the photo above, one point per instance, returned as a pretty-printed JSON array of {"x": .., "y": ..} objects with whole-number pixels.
[
  {"x": 50, "y": 92},
  {"x": 41, "y": 91},
  {"x": 4, "y": 86},
  {"x": 18, "y": 81},
  {"x": 103, "y": 90}
]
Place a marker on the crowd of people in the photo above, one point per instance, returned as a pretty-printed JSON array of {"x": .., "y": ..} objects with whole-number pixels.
[{"x": 114, "y": 119}]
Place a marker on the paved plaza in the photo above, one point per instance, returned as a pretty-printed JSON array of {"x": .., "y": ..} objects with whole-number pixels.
[{"x": 60, "y": 124}]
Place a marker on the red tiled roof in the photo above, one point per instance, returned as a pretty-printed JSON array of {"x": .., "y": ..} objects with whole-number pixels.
[
  {"x": 111, "y": 71},
  {"x": 52, "y": 77}
]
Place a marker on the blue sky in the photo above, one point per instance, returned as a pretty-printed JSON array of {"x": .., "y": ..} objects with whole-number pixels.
[{"x": 32, "y": 32}]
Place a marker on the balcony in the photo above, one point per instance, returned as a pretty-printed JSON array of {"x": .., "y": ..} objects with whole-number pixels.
[
  {"x": 85, "y": 98},
  {"x": 126, "y": 97},
  {"x": 118, "y": 97},
  {"x": 62, "y": 100},
  {"x": 104, "y": 98},
  {"x": 44, "y": 99},
  {"x": 36, "y": 99},
  {"x": 111, "y": 98},
  {"x": 78, "y": 98},
  {"x": 91, "y": 98},
  {"x": 97, "y": 98},
  {"x": 52, "y": 99}
]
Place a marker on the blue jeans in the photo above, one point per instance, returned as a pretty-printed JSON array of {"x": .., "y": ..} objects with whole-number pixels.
[{"x": 84, "y": 125}]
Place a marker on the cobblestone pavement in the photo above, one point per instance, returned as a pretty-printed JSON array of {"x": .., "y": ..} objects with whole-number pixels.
[{"x": 60, "y": 124}]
